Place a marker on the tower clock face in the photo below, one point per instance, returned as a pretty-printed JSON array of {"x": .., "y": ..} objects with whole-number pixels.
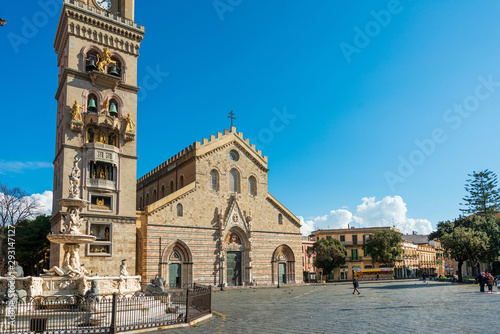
[{"x": 104, "y": 4}]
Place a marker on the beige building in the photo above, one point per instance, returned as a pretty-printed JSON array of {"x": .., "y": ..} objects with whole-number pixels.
[
  {"x": 354, "y": 240},
  {"x": 408, "y": 263},
  {"x": 206, "y": 216},
  {"x": 97, "y": 45},
  {"x": 309, "y": 270}
]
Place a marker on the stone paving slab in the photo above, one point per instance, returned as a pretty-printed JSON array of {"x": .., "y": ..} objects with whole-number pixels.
[{"x": 407, "y": 306}]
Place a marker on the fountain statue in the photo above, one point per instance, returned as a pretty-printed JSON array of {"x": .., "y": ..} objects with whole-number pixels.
[
  {"x": 71, "y": 277},
  {"x": 71, "y": 238}
]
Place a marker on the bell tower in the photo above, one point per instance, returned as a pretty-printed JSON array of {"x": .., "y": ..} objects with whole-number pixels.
[{"x": 97, "y": 44}]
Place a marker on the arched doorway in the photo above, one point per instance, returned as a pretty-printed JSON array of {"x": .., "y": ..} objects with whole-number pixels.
[
  {"x": 236, "y": 268},
  {"x": 176, "y": 266},
  {"x": 283, "y": 265}
]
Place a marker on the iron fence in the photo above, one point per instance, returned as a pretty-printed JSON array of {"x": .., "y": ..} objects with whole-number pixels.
[{"x": 106, "y": 314}]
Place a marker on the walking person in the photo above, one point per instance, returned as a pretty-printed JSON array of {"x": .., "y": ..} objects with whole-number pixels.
[
  {"x": 355, "y": 283},
  {"x": 489, "y": 281},
  {"x": 423, "y": 277}
]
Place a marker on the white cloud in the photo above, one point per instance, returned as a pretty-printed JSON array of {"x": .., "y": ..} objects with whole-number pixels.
[
  {"x": 306, "y": 227},
  {"x": 45, "y": 202},
  {"x": 371, "y": 213},
  {"x": 20, "y": 166}
]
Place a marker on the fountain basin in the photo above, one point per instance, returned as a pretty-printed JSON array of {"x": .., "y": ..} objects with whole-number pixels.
[
  {"x": 73, "y": 202},
  {"x": 71, "y": 238}
]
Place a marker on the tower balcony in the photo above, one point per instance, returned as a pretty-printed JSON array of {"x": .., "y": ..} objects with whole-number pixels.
[
  {"x": 101, "y": 184},
  {"x": 103, "y": 119},
  {"x": 102, "y": 152}
]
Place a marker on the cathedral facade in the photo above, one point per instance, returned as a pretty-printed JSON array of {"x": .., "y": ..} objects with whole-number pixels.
[{"x": 206, "y": 216}]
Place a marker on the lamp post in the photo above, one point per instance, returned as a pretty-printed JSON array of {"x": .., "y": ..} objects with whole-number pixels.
[{"x": 222, "y": 258}]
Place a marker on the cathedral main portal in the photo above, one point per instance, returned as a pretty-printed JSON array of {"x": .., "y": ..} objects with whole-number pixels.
[{"x": 233, "y": 268}]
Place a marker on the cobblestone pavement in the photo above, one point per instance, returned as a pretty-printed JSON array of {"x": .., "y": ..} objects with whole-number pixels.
[{"x": 408, "y": 306}]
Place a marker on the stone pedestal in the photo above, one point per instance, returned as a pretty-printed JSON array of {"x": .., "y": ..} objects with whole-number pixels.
[{"x": 66, "y": 286}]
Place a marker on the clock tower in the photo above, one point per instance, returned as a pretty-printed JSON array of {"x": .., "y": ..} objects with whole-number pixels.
[{"x": 97, "y": 43}]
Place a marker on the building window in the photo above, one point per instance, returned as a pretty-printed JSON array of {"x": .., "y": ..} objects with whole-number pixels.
[
  {"x": 252, "y": 186},
  {"x": 214, "y": 180},
  {"x": 354, "y": 254},
  {"x": 101, "y": 170},
  {"x": 181, "y": 181},
  {"x": 280, "y": 219},
  {"x": 354, "y": 239},
  {"x": 92, "y": 103},
  {"x": 234, "y": 181},
  {"x": 98, "y": 202},
  {"x": 365, "y": 237},
  {"x": 172, "y": 189},
  {"x": 179, "y": 210},
  {"x": 103, "y": 243},
  {"x": 162, "y": 191},
  {"x": 328, "y": 237},
  {"x": 234, "y": 156},
  {"x": 342, "y": 238}
]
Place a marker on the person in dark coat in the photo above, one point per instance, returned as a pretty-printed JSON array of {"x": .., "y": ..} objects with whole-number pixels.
[
  {"x": 355, "y": 283},
  {"x": 480, "y": 279}
]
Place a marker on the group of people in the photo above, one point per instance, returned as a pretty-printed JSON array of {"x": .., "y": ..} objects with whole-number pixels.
[{"x": 485, "y": 278}]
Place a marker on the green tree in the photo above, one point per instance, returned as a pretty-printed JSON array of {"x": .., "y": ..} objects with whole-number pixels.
[
  {"x": 329, "y": 254},
  {"x": 384, "y": 246},
  {"x": 483, "y": 197},
  {"x": 465, "y": 244},
  {"x": 442, "y": 229},
  {"x": 15, "y": 206},
  {"x": 32, "y": 246}
]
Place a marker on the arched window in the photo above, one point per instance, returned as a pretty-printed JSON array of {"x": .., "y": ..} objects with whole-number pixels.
[
  {"x": 252, "y": 186},
  {"x": 214, "y": 180},
  {"x": 113, "y": 108},
  {"x": 181, "y": 181},
  {"x": 92, "y": 103},
  {"x": 154, "y": 196},
  {"x": 234, "y": 181},
  {"x": 147, "y": 199},
  {"x": 113, "y": 139},
  {"x": 115, "y": 70},
  {"x": 162, "y": 191},
  {"x": 172, "y": 186},
  {"x": 91, "y": 60},
  {"x": 140, "y": 203},
  {"x": 179, "y": 210},
  {"x": 90, "y": 135},
  {"x": 280, "y": 219}
]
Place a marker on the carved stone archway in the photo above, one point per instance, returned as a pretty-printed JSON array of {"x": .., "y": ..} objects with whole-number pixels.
[
  {"x": 177, "y": 253},
  {"x": 235, "y": 240},
  {"x": 283, "y": 254}
]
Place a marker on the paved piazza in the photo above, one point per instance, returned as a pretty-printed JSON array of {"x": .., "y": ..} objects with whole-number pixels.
[{"x": 408, "y": 306}]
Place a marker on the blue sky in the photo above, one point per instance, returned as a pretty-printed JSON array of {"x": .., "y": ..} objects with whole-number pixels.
[{"x": 354, "y": 117}]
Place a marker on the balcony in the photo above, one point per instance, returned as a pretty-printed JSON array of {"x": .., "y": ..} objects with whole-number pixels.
[
  {"x": 103, "y": 119},
  {"x": 102, "y": 152},
  {"x": 101, "y": 184}
]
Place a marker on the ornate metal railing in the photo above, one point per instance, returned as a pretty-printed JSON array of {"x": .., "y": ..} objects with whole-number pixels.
[{"x": 107, "y": 314}]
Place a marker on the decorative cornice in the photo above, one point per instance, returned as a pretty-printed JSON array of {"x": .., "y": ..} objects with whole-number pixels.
[{"x": 85, "y": 76}]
